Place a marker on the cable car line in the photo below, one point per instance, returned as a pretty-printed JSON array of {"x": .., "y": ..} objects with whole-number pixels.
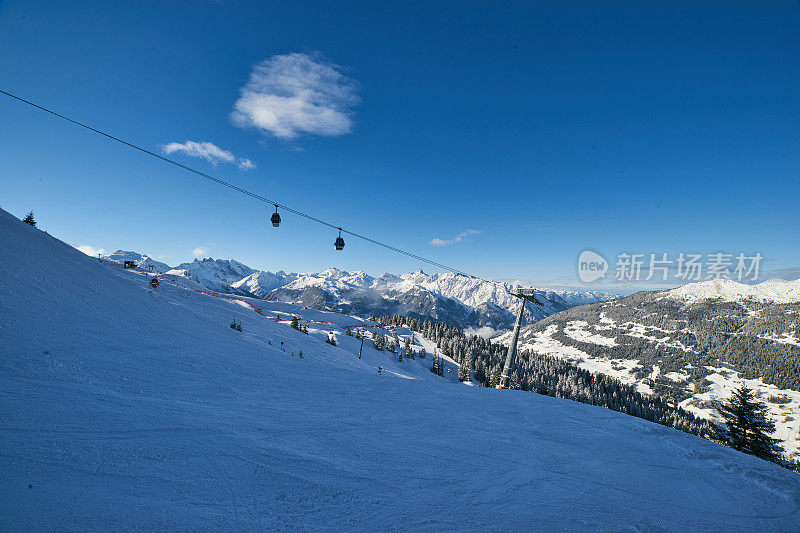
[{"x": 339, "y": 240}]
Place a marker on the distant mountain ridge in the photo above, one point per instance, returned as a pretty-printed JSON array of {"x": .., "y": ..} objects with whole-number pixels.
[
  {"x": 141, "y": 260},
  {"x": 454, "y": 299}
]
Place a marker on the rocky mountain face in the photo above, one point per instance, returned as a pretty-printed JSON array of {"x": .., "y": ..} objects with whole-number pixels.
[
  {"x": 215, "y": 274},
  {"x": 693, "y": 344}
]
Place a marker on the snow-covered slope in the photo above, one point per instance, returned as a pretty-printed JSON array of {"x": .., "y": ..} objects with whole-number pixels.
[
  {"x": 124, "y": 409},
  {"x": 773, "y": 290}
]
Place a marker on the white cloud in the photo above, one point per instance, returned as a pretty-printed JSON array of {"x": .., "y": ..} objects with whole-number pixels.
[
  {"x": 461, "y": 237},
  {"x": 288, "y": 95},
  {"x": 90, "y": 250},
  {"x": 246, "y": 164},
  {"x": 208, "y": 151},
  {"x": 199, "y": 251},
  {"x": 486, "y": 332}
]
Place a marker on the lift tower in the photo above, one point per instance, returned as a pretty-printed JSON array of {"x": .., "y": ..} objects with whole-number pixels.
[{"x": 524, "y": 295}]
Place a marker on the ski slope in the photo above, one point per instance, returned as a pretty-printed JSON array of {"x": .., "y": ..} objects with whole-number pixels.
[{"x": 128, "y": 409}]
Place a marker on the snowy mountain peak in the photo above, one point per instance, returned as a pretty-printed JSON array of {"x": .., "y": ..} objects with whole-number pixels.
[
  {"x": 216, "y": 274},
  {"x": 260, "y": 284},
  {"x": 773, "y": 290}
]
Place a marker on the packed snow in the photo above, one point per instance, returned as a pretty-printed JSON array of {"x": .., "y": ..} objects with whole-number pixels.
[{"x": 128, "y": 408}]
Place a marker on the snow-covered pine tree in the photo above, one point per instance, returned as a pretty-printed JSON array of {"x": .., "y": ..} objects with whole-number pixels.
[
  {"x": 407, "y": 347},
  {"x": 379, "y": 340},
  {"x": 746, "y": 426},
  {"x": 295, "y": 323}
]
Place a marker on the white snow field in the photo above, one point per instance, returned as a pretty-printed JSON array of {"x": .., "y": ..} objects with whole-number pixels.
[{"x": 121, "y": 409}]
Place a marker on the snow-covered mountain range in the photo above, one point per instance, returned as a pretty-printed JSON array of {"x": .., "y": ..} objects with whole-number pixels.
[
  {"x": 694, "y": 343},
  {"x": 455, "y": 299}
]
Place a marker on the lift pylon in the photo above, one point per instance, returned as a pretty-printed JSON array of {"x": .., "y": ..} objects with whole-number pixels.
[{"x": 524, "y": 295}]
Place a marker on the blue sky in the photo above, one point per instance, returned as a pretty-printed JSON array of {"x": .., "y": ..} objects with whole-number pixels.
[{"x": 531, "y": 130}]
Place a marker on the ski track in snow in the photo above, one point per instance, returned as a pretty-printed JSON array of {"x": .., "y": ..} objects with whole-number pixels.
[{"x": 127, "y": 409}]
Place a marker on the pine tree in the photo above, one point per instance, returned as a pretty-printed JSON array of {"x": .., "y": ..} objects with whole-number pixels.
[
  {"x": 435, "y": 365},
  {"x": 30, "y": 220},
  {"x": 295, "y": 323},
  {"x": 480, "y": 375},
  {"x": 746, "y": 425},
  {"x": 495, "y": 379},
  {"x": 379, "y": 340}
]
